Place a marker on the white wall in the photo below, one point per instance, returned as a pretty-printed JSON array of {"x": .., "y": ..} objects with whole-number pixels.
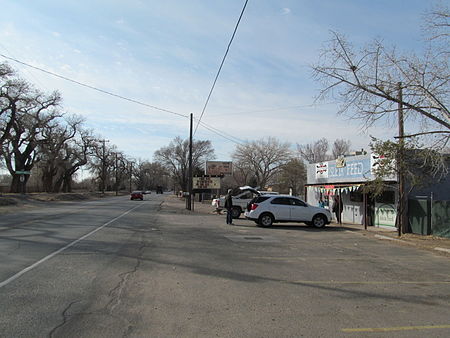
[{"x": 353, "y": 211}]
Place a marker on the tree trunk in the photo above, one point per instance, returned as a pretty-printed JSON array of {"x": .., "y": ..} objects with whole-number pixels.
[
  {"x": 57, "y": 185},
  {"x": 47, "y": 179},
  {"x": 17, "y": 186}
]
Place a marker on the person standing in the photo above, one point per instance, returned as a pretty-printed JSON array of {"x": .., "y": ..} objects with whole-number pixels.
[
  {"x": 229, "y": 206},
  {"x": 321, "y": 203},
  {"x": 337, "y": 208}
]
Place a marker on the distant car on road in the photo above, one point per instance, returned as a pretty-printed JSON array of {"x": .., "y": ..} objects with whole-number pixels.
[
  {"x": 268, "y": 209},
  {"x": 159, "y": 189},
  {"x": 137, "y": 195}
]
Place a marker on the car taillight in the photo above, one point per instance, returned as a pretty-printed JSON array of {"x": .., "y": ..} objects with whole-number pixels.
[{"x": 253, "y": 206}]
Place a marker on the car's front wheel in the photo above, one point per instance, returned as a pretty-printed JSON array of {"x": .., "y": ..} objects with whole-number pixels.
[
  {"x": 265, "y": 220},
  {"x": 319, "y": 221}
]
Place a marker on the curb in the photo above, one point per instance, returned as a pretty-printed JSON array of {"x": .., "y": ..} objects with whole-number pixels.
[
  {"x": 393, "y": 239},
  {"x": 442, "y": 249}
]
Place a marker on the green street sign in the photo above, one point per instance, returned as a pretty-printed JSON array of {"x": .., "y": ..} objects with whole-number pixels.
[{"x": 21, "y": 172}]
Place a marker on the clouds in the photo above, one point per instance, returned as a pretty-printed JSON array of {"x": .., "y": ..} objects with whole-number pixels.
[{"x": 167, "y": 53}]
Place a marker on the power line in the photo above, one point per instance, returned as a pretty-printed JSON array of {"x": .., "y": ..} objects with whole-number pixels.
[
  {"x": 25, "y": 70},
  {"x": 221, "y": 64},
  {"x": 223, "y": 134},
  {"x": 210, "y": 128},
  {"x": 94, "y": 88},
  {"x": 262, "y": 110}
]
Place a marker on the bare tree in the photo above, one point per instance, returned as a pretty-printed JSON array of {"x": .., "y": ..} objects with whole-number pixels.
[
  {"x": 57, "y": 135},
  {"x": 292, "y": 176},
  {"x": 314, "y": 152},
  {"x": 75, "y": 155},
  {"x": 149, "y": 175},
  {"x": 437, "y": 24},
  {"x": 11, "y": 94},
  {"x": 265, "y": 158},
  {"x": 369, "y": 83},
  {"x": 31, "y": 111},
  {"x": 243, "y": 173},
  {"x": 340, "y": 147},
  {"x": 175, "y": 158},
  {"x": 102, "y": 163}
]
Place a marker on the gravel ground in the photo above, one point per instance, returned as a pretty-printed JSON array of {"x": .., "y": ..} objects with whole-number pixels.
[{"x": 438, "y": 245}]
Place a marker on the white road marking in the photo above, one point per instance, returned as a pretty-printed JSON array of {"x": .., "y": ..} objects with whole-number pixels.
[{"x": 46, "y": 258}]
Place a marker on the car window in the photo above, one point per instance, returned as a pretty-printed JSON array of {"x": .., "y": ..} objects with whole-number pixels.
[
  {"x": 281, "y": 201},
  {"x": 297, "y": 202},
  {"x": 260, "y": 199},
  {"x": 246, "y": 196}
]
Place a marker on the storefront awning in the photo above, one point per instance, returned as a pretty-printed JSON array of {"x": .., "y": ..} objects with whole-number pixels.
[{"x": 331, "y": 189}]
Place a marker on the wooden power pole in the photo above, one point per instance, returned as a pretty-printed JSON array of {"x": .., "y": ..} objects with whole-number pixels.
[
  {"x": 402, "y": 217},
  {"x": 189, "y": 199}
]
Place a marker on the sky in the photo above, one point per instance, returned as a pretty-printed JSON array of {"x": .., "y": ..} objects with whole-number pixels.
[{"x": 166, "y": 54}]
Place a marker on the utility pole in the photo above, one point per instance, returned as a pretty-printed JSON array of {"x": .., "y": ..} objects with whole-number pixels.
[
  {"x": 131, "y": 174},
  {"x": 103, "y": 166},
  {"x": 189, "y": 199},
  {"x": 117, "y": 176},
  {"x": 401, "y": 178}
]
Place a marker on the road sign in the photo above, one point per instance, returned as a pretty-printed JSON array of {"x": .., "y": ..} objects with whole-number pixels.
[
  {"x": 219, "y": 168},
  {"x": 206, "y": 182},
  {"x": 23, "y": 172}
]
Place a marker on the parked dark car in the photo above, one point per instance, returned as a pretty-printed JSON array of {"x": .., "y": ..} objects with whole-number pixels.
[{"x": 137, "y": 195}]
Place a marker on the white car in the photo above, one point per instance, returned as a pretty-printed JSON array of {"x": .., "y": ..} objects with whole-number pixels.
[
  {"x": 241, "y": 200},
  {"x": 266, "y": 210}
]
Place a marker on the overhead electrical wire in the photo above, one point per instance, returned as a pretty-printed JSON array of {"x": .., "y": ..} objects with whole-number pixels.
[
  {"x": 223, "y": 134},
  {"x": 94, "y": 88},
  {"x": 25, "y": 70},
  {"x": 210, "y": 128},
  {"x": 220, "y": 68}
]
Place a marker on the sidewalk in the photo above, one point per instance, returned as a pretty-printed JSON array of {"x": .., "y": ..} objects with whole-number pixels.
[
  {"x": 433, "y": 243},
  {"x": 438, "y": 245}
]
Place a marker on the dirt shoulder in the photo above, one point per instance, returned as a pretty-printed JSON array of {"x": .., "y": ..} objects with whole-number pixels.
[
  {"x": 438, "y": 245},
  {"x": 18, "y": 202}
]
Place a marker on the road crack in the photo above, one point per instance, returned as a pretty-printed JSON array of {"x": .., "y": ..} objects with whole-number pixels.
[
  {"x": 65, "y": 318},
  {"x": 117, "y": 292}
]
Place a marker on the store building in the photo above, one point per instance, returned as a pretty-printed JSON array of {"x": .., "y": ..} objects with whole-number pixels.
[{"x": 345, "y": 178}]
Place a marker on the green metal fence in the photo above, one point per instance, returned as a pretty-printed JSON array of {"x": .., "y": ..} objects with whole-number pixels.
[
  {"x": 428, "y": 217},
  {"x": 440, "y": 218}
]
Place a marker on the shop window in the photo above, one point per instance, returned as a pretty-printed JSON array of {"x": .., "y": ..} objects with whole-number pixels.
[
  {"x": 356, "y": 196},
  {"x": 387, "y": 197}
]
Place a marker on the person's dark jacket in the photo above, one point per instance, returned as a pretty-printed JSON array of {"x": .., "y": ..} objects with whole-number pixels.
[
  {"x": 338, "y": 206},
  {"x": 228, "y": 201}
]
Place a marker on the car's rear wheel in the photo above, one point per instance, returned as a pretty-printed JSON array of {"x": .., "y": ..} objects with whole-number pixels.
[
  {"x": 235, "y": 212},
  {"x": 319, "y": 221},
  {"x": 265, "y": 220}
]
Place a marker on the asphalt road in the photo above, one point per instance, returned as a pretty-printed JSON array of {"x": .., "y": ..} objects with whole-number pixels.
[{"x": 121, "y": 268}]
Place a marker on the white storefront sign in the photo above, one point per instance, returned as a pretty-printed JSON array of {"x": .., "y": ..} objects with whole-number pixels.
[{"x": 322, "y": 170}]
